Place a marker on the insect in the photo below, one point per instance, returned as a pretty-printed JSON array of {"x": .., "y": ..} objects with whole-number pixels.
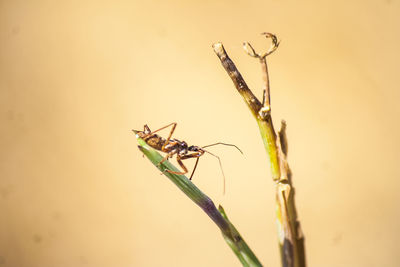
[{"x": 179, "y": 148}]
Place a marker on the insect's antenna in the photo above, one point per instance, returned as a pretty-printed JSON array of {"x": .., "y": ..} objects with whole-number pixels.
[
  {"x": 220, "y": 165},
  {"x": 219, "y": 143}
]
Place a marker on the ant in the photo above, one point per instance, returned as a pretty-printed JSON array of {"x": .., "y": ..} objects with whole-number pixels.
[{"x": 180, "y": 148}]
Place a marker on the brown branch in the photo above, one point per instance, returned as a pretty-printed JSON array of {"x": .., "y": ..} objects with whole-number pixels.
[
  {"x": 291, "y": 239},
  {"x": 253, "y": 103}
]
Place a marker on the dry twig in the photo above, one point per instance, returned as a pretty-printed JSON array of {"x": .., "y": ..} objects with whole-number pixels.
[{"x": 291, "y": 240}]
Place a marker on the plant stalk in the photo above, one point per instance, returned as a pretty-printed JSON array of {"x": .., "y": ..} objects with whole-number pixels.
[
  {"x": 218, "y": 216},
  {"x": 290, "y": 236}
]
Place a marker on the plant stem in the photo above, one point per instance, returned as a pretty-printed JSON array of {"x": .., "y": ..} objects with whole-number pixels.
[
  {"x": 229, "y": 232},
  {"x": 291, "y": 239}
]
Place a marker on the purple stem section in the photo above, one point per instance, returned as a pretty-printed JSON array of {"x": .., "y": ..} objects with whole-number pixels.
[{"x": 208, "y": 206}]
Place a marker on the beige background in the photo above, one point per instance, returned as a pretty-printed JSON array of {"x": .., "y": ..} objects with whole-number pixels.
[{"x": 77, "y": 76}]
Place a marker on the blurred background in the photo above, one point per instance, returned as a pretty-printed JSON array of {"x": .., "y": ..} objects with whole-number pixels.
[{"x": 77, "y": 76}]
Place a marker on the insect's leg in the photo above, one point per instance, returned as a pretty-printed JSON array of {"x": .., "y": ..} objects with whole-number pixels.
[
  {"x": 179, "y": 160},
  {"x": 192, "y": 155},
  {"x": 162, "y": 128},
  {"x": 169, "y": 155},
  {"x": 146, "y": 129},
  {"x": 194, "y": 168},
  {"x": 170, "y": 134}
]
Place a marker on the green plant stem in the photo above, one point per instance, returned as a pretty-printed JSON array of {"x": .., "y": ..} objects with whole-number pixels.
[
  {"x": 291, "y": 239},
  {"x": 269, "y": 139},
  {"x": 229, "y": 232}
]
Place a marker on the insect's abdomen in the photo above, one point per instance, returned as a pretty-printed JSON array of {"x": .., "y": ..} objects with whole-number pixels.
[{"x": 156, "y": 142}]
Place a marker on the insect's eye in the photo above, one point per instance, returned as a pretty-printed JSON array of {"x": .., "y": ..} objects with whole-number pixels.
[{"x": 193, "y": 148}]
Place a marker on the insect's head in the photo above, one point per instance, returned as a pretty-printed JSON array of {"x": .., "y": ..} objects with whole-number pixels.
[{"x": 195, "y": 149}]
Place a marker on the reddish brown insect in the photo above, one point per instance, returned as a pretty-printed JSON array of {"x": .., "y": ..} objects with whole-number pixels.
[{"x": 179, "y": 148}]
